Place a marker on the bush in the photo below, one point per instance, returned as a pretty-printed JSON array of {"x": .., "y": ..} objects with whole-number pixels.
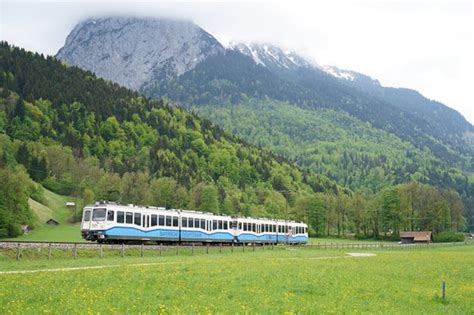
[
  {"x": 60, "y": 187},
  {"x": 38, "y": 194},
  {"x": 448, "y": 236}
]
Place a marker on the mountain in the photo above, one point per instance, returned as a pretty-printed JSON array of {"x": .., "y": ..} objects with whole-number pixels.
[
  {"x": 449, "y": 121},
  {"x": 366, "y": 136},
  {"x": 135, "y": 51}
]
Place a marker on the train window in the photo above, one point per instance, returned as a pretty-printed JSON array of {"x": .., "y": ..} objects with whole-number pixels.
[
  {"x": 154, "y": 220},
  {"x": 240, "y": 225},
  {"x": 203, "y": 224},
  {"x": 129, "y": 218},
  {"x": 98, "y": 215},
  {"x": 120, "y": 217},
  {"x": 110, "y": 215},
  {"x": 214, "y": 224},
  {"x": 184, "y": 222},
  {"x": 175, "y": 221},
  {"x": 220, "y": 224},
  {"x": 137, "y": 218},
  {"x": 87, "y": 216},
  {"x": 161, "y": 220},
  {"x": 191, "y": 222},
  {"x": 168, "y": 220},
  {"x": 245, "y": 226},
  {"x": 254, "y": 227},
  {"x": 225, "y": 225}
]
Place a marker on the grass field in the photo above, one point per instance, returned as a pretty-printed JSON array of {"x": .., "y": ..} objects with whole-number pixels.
[{"x": 284, "y": 280}]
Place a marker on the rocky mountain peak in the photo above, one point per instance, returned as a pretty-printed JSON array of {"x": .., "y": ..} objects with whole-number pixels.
[
  {"x": 133, "y": 51},
  {"x": 271, "y": 56}
]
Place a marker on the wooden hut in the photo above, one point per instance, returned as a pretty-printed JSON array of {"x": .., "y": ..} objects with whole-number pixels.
[
  {"x": 52, "y": 222},
  {"x": 411, "y": 237}
]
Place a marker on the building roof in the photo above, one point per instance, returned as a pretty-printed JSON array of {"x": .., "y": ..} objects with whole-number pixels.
[{"x": 417, "y": 236}]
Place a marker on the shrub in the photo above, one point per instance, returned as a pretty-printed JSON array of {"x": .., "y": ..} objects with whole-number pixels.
[
  {"x": 448, "y": 236},
  {"x": 38, "y": 194}
]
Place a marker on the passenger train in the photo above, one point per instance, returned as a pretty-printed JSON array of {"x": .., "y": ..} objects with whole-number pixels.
[{"x": 113, "y": 223}]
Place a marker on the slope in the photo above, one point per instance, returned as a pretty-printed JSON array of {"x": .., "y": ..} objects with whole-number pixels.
[{"x": 53, "y": 206}]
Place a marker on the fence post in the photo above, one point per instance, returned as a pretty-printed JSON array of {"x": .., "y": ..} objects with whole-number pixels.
[
  {"x": 253, "y": 244},
  {"x": 443, "y": 287},
  {"x": 192, "y": 249},
  {"x": 220, "y": 248},
  {"x": 123, "y": 250},
  {"x": 243, "y": 247},
  {"x": 100, "y": 250},
  {"x": 18, "y": 251},
  {"x": 141, "y": 251},
  {"x": 207, "y": 248},
  {"x": 232, "y": 247},
  {"x": 75, "y": 250},
  {"x": 49, "y": 251},
  {"x": 161, "y": 249},
  {"x": 177, "y": 249}
]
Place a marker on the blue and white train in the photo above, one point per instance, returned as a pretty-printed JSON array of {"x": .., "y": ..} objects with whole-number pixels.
[{"x": 109, "y": 222}]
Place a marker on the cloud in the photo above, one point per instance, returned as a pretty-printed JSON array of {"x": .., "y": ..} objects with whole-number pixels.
[{"x": 424, "y": 45}]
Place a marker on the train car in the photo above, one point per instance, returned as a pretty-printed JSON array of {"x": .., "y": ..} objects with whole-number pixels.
[{"x": 109, "y": 222}]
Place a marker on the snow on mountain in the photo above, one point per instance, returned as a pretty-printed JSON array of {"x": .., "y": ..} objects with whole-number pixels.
[
  {"x": 271, "y": 56},
  {"x": 340, "y": 74}
]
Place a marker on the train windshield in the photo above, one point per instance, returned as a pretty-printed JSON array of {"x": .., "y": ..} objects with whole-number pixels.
[{"x": 99, "y": 215}]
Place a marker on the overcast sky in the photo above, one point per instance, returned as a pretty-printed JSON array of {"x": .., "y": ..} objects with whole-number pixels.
[{"x": 424, "y": 45}]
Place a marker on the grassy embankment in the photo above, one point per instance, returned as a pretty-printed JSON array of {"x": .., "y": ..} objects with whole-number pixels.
[
  {"x": 285, "y": 280},
  {"x": 54, "y": 207}
]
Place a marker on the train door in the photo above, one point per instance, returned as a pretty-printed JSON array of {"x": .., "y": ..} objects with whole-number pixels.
[
  {"x": 234, "y": 226},
  {"x": 145, "y": 223},
  {"x": 86, "y": 219}
]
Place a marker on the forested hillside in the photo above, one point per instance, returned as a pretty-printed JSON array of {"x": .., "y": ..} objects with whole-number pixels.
[
  {"x": 77, "y": 134},
  {"x": 80, "y": 135},
  {"x": 231, "y": 78}
]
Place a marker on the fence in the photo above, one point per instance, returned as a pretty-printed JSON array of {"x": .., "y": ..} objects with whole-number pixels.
[
  {"x": 71, "y": 249},
  {"x": 49, "y": 250}
]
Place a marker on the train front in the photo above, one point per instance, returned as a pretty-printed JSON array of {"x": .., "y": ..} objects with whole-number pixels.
[{"x": 94, "y": 223}]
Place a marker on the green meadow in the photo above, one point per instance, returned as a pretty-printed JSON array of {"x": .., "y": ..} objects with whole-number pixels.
[{"x": 285, "y": 280}]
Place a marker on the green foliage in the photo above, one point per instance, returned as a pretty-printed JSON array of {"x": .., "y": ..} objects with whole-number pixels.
[
  {"x": 448, "y": 236},
  {"x": 15, "y": 189}
]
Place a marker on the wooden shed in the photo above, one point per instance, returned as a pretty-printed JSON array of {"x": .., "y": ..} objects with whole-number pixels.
[
  {"x": 52, "y": 222},
  {"x": 411, "y": 237}
]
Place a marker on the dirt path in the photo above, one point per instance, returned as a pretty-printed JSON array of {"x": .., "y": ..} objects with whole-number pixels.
[{"x": 84, "y": 268}]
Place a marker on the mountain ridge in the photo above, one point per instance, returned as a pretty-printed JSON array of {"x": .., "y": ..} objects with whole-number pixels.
[{"x": 256, "y": 73}]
